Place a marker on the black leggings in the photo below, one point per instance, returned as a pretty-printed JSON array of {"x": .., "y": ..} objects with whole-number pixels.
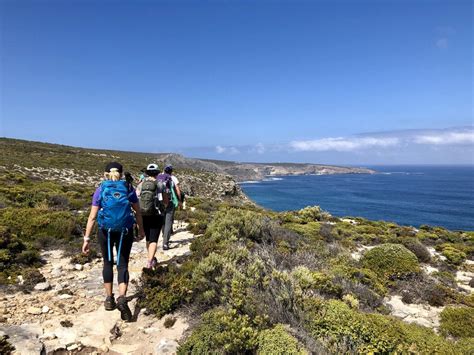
[{"x": 122, "y": 263}]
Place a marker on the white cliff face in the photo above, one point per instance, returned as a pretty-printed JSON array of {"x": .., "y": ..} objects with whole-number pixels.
[{"x": 69, "y": 314}]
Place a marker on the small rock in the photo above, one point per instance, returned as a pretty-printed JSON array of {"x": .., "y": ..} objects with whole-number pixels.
[
  {"x": 78, "y": 267},
  {"x": 64, "y": 296},
  {"x": 104, "y": 348},
  {"x": 34, "y": 310},
  {"x": 69, "y": 267},
  {"x": 56, "y": 272},
  {"x": 72, "y": 347},
  {"x": 58, "y": 287},
  {"x": 43, "y": 286},
  {"x": 151, "y": 330},
  {"x": 20, "y": 279},
  {"x": 45, "y": 309},
  {"x": 47, "y": 336}
]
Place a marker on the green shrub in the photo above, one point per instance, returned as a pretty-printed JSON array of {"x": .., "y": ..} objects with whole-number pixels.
[
  {"x": 222, "y": 332},
  {"x": 391, "y": 261},
  {"x": 230, "y": 225},
  {"x": 454, "y": 256},
  {"x": 227, "y": 278},
  {"x": 457, "y": 322},
  {"x": 31, "y": 277},
  {"x": 169, "y": 322},
  {"x": 417, "y": 248},
  {"x": 14, "y": 256},
  {"x": 312, "y": 213},
  {"x": 5, "y": 347},
  {"x": 306, "y": 280},
  {"x": 310, "y": 229},
  {"x": 277, "y": 341},
  {"x": 347, "y": 330},
  {"x": 165, "y": 288},
  {"x": 37, "y": 222}
]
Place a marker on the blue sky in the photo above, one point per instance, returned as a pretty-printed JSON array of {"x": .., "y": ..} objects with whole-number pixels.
[{"x": 342, "y": 82}]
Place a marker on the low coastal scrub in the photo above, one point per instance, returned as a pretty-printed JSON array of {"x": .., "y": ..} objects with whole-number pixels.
[
  {"x": 458, "y": 322},
  {"x": 254, "y": 275},
  {"x": 391, "y": 261},
  {"x": 278, "y": 341}
]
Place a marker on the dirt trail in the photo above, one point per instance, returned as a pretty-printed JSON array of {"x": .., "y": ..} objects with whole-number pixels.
[{"x": 68, "y": 315}]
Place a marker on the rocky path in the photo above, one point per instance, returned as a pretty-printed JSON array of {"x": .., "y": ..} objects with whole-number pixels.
[{"x": 66, "y": 315}]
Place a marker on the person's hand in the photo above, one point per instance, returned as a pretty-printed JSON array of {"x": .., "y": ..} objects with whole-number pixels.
[
  {"x": 85, "y": 247},
  {"x": 140, "y": 235}
]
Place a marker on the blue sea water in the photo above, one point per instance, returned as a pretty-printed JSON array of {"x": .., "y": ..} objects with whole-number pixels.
[{"x": 407, "y": 195}]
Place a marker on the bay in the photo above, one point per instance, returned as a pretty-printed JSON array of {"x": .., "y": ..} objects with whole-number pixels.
[{"x": 408, "y": 195}]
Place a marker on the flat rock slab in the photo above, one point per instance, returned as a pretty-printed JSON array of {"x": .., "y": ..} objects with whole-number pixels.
[
  {"x": 422, "y": 314},
  {"x": 25, "y": 338}
]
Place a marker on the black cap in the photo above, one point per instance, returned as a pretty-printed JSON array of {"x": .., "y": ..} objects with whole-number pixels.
[
  {"x": 168, "y": 169},
  {"x": 113, "y": 165}
]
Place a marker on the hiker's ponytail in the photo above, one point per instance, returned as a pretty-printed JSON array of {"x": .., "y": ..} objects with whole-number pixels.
[{"x": 113, "y": 175}]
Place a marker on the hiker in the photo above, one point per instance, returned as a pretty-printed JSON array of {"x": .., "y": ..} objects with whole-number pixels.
[
  {"x": 180, "y": 195},
  {"x": 112, "y": 205},
  {"x": 171, "y": 201},
  {"x": 148, "y": 195}
]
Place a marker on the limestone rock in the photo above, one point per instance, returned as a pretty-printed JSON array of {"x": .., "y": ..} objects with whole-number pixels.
[
  {"x": 166, "y": 346},
  {"x": 34, "y": 310},
  {"x": 43, "y": 286}
]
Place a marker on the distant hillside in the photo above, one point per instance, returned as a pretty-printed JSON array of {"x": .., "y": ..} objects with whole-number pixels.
[
  {"x": 85, "y": 166},
  {"x": 45, "y": 155}
]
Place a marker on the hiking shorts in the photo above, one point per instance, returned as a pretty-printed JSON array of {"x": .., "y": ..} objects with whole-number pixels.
[{"x": 152, "y": 226}]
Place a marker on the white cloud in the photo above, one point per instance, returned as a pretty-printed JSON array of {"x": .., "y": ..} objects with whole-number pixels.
[
  {"x": 233, "y": 150},
  {"x": 446, "y": 138},
  {"x": 344, "y": 144},
  {"x": 260, "y": 148},
  {"x": 442, "y": 43},
  {"x": 227, "y": 150}
]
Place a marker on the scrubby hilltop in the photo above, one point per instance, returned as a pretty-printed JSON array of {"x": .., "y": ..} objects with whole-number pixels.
[{"x": 255, "y": 281}]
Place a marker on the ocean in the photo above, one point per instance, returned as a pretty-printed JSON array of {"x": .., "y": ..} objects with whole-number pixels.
[{"x": 408, "y": 195}]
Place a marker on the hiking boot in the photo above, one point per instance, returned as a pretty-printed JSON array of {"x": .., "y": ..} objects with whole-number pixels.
[
  {"x": 151, "y": 264},
  {"x": 109, "y": 303},
  {"x": 122, "y": 306}
]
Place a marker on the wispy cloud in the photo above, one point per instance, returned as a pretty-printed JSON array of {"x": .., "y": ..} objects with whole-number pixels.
[
  {"x": 344, "y": 144},
  {"x": 442, "y": 43},
  {"x": 443, "y": 33},
  {"x": 227, "y": 150},
  {"x": 446, "y": 138},
  {"x": 451, "y": 136},
  {"x": 376, "y": 143}
]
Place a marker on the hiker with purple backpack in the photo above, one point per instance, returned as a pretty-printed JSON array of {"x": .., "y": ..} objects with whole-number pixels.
[{"x": 113, "y": 204}]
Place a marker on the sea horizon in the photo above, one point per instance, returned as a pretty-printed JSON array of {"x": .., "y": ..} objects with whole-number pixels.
[{"x": 410, "y": 195}]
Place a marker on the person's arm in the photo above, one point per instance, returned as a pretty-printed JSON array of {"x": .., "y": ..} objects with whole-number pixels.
[
  {"x": 138, "y": 190},
  {"x": 89, "y": 227},
  {"x": 138, "y": 216},
  {"x": 178, "y": 192}
]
